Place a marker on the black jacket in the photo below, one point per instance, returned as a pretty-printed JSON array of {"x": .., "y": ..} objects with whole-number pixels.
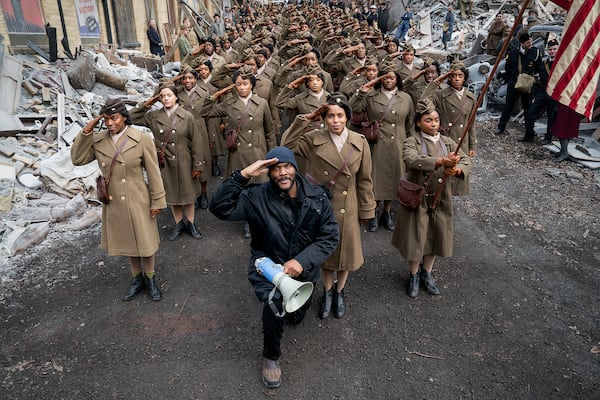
[
  {"x": 310, "y": 235},
  {"x": 531, "y": 63}
]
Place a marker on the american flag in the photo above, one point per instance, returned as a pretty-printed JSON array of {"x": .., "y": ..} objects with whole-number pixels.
[{"x": 576, "y": 69}]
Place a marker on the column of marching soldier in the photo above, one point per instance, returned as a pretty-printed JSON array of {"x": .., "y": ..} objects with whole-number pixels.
[{"x": 324, "y": 115}]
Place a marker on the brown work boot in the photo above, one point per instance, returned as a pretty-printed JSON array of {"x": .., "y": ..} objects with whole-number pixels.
[{"x": 271, "y": 373}]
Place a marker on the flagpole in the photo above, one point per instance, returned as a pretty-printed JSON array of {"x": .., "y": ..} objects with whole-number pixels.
[{"x": 471, "y": 120}]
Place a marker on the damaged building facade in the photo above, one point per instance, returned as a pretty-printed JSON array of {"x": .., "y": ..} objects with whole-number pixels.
[{"x": 84, "y": 23}]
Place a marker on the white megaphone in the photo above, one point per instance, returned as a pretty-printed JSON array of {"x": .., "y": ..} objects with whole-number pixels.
[{"x": 295, "y": 293}]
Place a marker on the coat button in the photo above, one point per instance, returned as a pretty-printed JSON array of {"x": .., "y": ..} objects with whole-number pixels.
[
  {"x": 250, "y": 144},
  {"x": 110, "y": 197},
  {"x": 122, "y": 197},
  {"x": 250, "y": 118},
  {"x": 103, "y": 164},
  {"x": 160, "y": 131},
  {"x": 345, "y": 193},
  {"x": 325, "y": 173},
  {"x": 392, "y": 136},
  {"x": 172, "y": 130},
  {"x": 393, "y": 124},
  {"x": 342, "y": 211},
  {"x": 393, "y": 111},
  {"x": 123, "y": 180},
  {"x": 173, "y": 157},
  {"x": 172, "y": 143},
  {"x": 249, "y": 130},
  {"x": 440, "y": 180}
]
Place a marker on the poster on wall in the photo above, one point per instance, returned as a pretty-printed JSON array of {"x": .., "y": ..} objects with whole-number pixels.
[
  {"x": 87, "y": 16},
  {"x": 23, "y": 16}
]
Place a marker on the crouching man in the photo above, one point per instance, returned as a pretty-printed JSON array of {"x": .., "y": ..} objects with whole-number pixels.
[{"x": 292, "y": 223}]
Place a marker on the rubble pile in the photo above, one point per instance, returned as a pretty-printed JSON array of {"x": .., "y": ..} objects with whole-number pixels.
[{"x": 40, "y": 189}]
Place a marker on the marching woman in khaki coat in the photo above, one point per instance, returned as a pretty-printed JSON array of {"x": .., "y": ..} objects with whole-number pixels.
[
  {"x": 383, "y": 98},
  {"x": 250, "y": 115},
  {"x": 423, "y": 233},
  {"x": 213, "y": 125},
  {"x": 191, "y": 96},
  {"x": 455, "y": 103},
  {"x": 256, "y": 136},
  {"x": 176, "y": 128},
  {"x": 128, "y": 221},
  {"x": 338, "y": 154}
]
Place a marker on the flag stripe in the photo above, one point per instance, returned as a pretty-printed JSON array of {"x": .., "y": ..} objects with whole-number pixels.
[
  {"x": 577, "y": 62},
  {"x": 575, "y": 71}
]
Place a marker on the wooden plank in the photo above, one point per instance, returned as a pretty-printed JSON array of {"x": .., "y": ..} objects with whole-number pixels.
[
  {"x": 60, "y": 118},
  {"x": 46, "y": 95}
]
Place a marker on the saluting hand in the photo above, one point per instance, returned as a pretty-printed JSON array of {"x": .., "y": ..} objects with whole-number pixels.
[
  {"x": 89, "y": 127},
  {"x": 257, "y": 168},
  {"x": 316, "y": 114}
]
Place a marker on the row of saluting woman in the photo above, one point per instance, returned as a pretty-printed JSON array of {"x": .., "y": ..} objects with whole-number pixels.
[{"x": 419, "y": 235}]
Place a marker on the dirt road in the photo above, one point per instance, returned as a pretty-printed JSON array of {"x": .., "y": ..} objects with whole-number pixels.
[{"x": 518, "y": 316}]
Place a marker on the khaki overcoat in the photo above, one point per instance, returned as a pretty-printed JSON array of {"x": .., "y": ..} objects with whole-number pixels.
[
  {"x": 127, "y": 228},
  {"x": 213, "y": 125},
  {"x": 353, "y": 191},
  {"x": 397, "y": 125},
  {"x": 256, "y": 136},
  {"x": 184, "y": 152},
  {"x": 454, "y": 114},
  {"x": 192, "y": 102},
  {"x": 421, "y": 232}
]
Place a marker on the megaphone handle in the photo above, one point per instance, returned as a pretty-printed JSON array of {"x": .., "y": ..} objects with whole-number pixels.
[{"x": 274, "y": 306}]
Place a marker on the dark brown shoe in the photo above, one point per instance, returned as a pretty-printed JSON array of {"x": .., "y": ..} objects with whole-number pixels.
[{"x": 271, "y": 373}]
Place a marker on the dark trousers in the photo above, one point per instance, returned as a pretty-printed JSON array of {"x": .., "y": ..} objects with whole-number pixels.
[
  {"x": 273, "y": 327},
  {"x": 512, "y": 95},
  {"x": 541, "y": 102}
]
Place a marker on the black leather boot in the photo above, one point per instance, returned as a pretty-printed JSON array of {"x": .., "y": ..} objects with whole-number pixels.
[
  {"x": 203, "y": 201},
  {"x": 412, "y": 290},
  {"x": 386, "y": 220},
  {"x": 326, "y": 305},
  {"x": 177, "y": 230},
  {"x": 152, "y": 287},
  {"x": 429, "y": 282},
  {"x": 136, "y": 286},
  {"x": 339, "y": 302},
  {"x": 374, "y": 223},
  {"x": 191, "y": 228}
]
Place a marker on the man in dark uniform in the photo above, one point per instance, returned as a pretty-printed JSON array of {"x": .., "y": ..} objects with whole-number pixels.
[
  {"x": 524, "y": 59},
  {"x": 541, "y": 100}
]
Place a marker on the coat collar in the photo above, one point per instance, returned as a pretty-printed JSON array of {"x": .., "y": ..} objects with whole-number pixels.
[{"x": 103, "y": 141}]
